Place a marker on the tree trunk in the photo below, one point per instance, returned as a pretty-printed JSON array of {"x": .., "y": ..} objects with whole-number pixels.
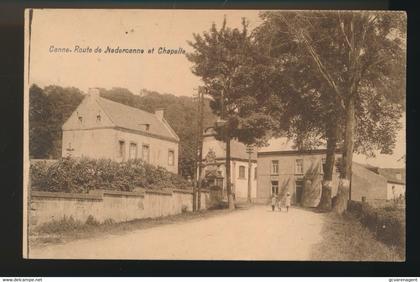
[
  {"x": 228, "y": 184},
  {"x": 325, "y": 202},
  {"x": 347, "y": 159},
  {"x": 194, "y": 207},
  {"x": 249, "y": 179}
]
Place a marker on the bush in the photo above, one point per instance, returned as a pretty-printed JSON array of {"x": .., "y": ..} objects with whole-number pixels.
[
  {"x": 108, "y": 221},
  {"x": 82, "y": 175},
  {"x": 184, "y": 208},
  {"x": 38, "y": 173},
  {"x": 65, "y": 224},
  {"x": 91, "y": 221},
  {"x": 387, "y": 223}
]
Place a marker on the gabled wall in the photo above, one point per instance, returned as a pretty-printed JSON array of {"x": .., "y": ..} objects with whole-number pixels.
[
  {"x": 84, "y": 134},
  {"x": 89, "y": 109}
]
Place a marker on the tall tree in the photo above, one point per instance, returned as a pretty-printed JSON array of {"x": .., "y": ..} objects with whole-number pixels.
[
  {"x": 356, "y": 61},
  {"x": 40, "y": 138},
  {"x": 49, "y": 109},
  {"x": 229, "y": 65}
]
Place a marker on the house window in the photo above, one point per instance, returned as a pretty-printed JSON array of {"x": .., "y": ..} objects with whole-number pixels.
[
  {"x": 255, "y": 173},
  {"x": 299, "y": 166},
  {"x": 171, "y": 157},
  {"x": 80, "y": 119},
  {"x": 241, "y": 171},
  {"x": 274, "y": 187},
  {"x": 145, "y": 153},
  {"x": 275, "y": 167},
  {"x": 132, "y": 153},
  {"x": 98, "y": 118},
  {"x": 121, "y": 149}
]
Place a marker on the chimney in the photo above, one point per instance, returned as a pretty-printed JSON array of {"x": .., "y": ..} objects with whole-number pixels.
[
  {"x": 93, "y": 93},
  {"x": 159, "y": 113}
]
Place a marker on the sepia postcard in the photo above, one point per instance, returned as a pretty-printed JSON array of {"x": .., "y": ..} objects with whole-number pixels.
[{"x": 249, "y": 135}]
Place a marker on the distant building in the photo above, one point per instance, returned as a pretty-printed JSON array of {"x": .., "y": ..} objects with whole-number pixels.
[
  {"x": 367, "y": 184},
  {"x": 297, "y": 172},
  {"x": 214, "y": 157},
  {"x": 300, "y": 172},
  {"x": 101, "y": 128},
  {"x": 395, "y": 178}
]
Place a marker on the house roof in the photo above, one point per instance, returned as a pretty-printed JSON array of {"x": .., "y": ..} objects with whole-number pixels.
[
  {"x": 135, "y": 119},
  {"x": 391, "y": 174},
  {"x": 364, "y": 172},
  {"x": 237, "y": 149}
]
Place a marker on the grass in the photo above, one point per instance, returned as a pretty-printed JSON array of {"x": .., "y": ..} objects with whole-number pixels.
[
  {"x": 69, "y": 229},
  {"x": 346, "y": 239}
]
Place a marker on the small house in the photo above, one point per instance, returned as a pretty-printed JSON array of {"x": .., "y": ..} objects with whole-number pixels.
[{"x": 101, "y": 128}]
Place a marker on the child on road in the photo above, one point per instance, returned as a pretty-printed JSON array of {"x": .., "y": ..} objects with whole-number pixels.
[
  {"x": 287, "y": 201},
  {"x": 273, "y": 202},
  {"x": 279, "y": 204}
]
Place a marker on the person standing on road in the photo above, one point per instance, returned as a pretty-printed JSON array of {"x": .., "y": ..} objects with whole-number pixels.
[
  {"x": 287, "y": 201},
  {"x": 273, "y": 202}
]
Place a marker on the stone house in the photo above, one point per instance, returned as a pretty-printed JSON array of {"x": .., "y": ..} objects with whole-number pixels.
[
  {"x": 101, "y": 128},
  {"x": 214, "y": 158}
]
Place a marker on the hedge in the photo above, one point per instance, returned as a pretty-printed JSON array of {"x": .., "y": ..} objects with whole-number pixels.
[
  {"x": 387, "y": 223},
  {"x": 82, "y": 175}
]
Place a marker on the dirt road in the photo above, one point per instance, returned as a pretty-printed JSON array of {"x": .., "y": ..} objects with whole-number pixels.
[{"x": 252, "y": 234}]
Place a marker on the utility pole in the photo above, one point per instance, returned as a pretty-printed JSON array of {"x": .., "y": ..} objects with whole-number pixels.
[
  {"x": 200, "y": 143},
  {"x": 195, "y": 166},
  {"x": 249, "y": 150}
]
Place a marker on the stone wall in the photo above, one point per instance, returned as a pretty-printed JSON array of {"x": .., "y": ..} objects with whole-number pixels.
[{"x": 116, "y": 205}]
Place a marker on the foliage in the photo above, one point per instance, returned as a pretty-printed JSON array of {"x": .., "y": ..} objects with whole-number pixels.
[
  {"x": 340, "y": 77},
  {"x": 92, "y": 221},
  {"x": 65, "y": 224},
  {"x": 83, "y": 175},
  {"x": 49, "y": 109},
  {"x": 230, "y": 67},
  {"x": 40, "y": 137},
  {"x": 344, "y": 238},
  {"x": 387, "y": 223},
  {"x": 317, "y": 65}
]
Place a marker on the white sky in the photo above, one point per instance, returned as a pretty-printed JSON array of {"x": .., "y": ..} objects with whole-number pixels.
[
  {"x": 136, "y": 29},
  {"x": 145, "y": 29}
]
